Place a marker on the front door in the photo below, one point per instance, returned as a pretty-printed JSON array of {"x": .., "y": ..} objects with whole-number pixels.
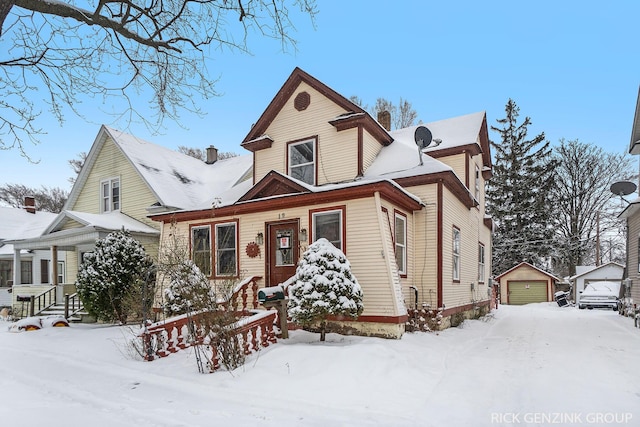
[{"x": 283, "y": 251}]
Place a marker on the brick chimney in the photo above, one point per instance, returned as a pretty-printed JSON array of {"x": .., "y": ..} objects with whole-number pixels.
[
  {"x": 30, "y": 204},
  {"x": 212, "y": 155},
  {"x": 384, "y": 118}
]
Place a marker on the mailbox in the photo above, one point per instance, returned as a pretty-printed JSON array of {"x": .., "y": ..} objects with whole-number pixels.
[{"x": 272, "y": 293}]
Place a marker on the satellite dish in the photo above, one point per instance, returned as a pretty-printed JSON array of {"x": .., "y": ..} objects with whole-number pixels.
[
  {"x": 423, "y": 137},
  {"x": 623, "y": 188}
]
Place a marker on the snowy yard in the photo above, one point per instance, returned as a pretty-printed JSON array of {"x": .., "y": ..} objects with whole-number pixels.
[{"x": 530, "y": 365}]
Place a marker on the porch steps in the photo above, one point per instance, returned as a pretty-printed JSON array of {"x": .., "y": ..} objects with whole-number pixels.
[{"x": 58, "y": 310}]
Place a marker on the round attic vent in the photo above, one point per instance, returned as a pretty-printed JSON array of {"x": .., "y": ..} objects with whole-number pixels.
[{"x": 302, "y": 101}]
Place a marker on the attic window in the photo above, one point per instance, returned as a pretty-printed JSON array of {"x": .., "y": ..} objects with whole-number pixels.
[
  {"x": 183, "y": 179},
  {"x": 110, "y": 195},
  {"x": 302, "y": 159},
  {"x": 302, "y": 101}
]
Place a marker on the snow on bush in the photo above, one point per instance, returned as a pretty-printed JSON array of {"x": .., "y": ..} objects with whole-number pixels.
[
  {"x": 189, "y": 290},
  {"x": 111, "y": 278},
  {"x": 323, "y": 287}
]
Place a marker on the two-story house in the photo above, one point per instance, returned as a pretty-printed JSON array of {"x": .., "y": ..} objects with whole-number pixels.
[
  {"x": 632, "y": 215},
  {"x": 122, "y": 181},
  {"x": 411, "y": 221}
]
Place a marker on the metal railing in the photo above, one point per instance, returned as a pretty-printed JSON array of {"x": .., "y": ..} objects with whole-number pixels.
[
  {"x": 40, "y": 302},
  {"x": 72, "y": 305}
]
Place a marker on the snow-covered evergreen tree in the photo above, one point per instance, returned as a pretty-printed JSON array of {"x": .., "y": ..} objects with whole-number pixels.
[
  {"x": 323, "y": 287},
  {"x": 189, "y": 290},
  {"x": 111, "y": 278},
  {"x": 519, "y": 196}
]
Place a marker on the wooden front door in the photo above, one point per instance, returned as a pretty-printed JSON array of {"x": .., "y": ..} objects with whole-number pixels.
[{"x": 282, "y": 247}]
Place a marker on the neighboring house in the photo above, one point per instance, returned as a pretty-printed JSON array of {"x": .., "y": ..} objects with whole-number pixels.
[
  {"x": 123, "y": 180},
  {"x": 632, "y": 214},
  {"x": 30, "y": 266},
  {"x": 413, "y": 225},
  {"x": 610, "y": 272},
  {"x": 525, "y": 283}
]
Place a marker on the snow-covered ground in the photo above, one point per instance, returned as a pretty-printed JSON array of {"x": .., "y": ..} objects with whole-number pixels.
[{"x": 531, "y": 365}]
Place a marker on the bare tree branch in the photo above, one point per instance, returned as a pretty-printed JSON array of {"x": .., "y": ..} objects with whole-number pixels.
[{"x": 56, "y": 54}]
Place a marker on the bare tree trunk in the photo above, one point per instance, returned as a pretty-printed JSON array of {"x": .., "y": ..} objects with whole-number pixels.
[
  {"x": 5, "y": 7},
  {"x": 323, "y": 330}
]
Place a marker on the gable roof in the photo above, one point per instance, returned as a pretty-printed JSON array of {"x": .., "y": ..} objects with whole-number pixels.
[
  {"x": 17, "y": 223},
  {"x": 634, "y": 144},
  {"x": 590, "y": 269},
  {"x": 111, "y": 221},
  {"x": 463, "y": 132},
  {"x": 176, "y": 180},
  {"x": 526, "y": 264},
  {"x": 354, "y": 115}
]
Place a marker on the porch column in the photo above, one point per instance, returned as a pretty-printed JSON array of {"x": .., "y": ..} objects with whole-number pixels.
[
  {"x": 54, "y": 265},
  {"x": 17, "y": 273}
]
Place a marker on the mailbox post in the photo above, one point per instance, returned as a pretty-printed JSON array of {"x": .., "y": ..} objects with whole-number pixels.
[{"x": 274, "y": 297}]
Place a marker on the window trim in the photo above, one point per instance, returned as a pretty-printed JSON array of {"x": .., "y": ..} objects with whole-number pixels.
[
  {"x": 402, "y": 269},
  {"x": 193, "y": 227},
  {"x": 109, "y": 198},
  {"x": 455, "y": 254},
  {"x": 24, "y": 272},
  {"x": 62, "y": 272},
  {"x": 477, "y": 183},
  {"x": 235, "y": 249},
  {"x": 314, "y": 141},
  {"x": 342, "y": 211},
  {"x": 481, "y": 262}
]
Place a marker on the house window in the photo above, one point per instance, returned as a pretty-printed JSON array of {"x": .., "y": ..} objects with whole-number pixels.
[
  {"x": 44, "y": 271},
  {"x": 26, "y": 272},
  {"x": 302, "y": 161},
  {"x": 456, "y": 254},
  {"x": 477, "y": 183},
  {"x": 201, "y": 248},
  {"x": 226, "y": 259},
  {"x": 328, "y": 224},
  {"x": 110, "y": 195},
  {"x": 401, "y": 242},
  {"x": 638, "y": 255},
  {"x": 480, "y": 263},
  {"x": 6, "y": 272}
]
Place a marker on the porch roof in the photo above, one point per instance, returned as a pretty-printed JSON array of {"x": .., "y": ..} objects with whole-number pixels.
[{"x": 94, "y": 227}]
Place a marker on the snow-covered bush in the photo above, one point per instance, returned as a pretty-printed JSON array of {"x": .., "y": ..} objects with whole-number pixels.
[
  {"x": 112, "y": 278},
  {"x": 189, "y": 290},
  {"x": 424, "y": 319},
  {"x": 323, "y": 287}
]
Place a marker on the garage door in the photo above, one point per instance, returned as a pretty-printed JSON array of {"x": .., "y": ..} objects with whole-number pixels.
[{"x": 527, "y": 292}]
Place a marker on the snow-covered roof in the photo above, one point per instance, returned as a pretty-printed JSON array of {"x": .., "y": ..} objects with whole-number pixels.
[
  {"x": 526, "y": 264},
  {"x": 16, "y": 223},
  {"x": 581, "y": 270},
  {"x": 109, "y": 221},
  {"x": 179, "y": 180},
  {"x": 454, "y": 132},
  {"x": 631, "y": 209},
  {"x": 401, "y": 159}
]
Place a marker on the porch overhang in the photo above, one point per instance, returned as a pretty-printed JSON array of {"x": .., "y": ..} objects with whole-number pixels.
[{"x": 68, "y": 240}]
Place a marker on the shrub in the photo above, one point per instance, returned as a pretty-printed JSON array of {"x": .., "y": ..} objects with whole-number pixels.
[
  {"x": 112, "y": 279},
  {"x": 323, "y": 287}
]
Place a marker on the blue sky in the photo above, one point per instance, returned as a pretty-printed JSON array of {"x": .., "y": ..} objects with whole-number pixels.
[{"x": 572, "y": 66}]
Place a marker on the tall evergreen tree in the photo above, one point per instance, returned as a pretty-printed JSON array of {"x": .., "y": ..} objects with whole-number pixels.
[{"x": 519, "y": 194}]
